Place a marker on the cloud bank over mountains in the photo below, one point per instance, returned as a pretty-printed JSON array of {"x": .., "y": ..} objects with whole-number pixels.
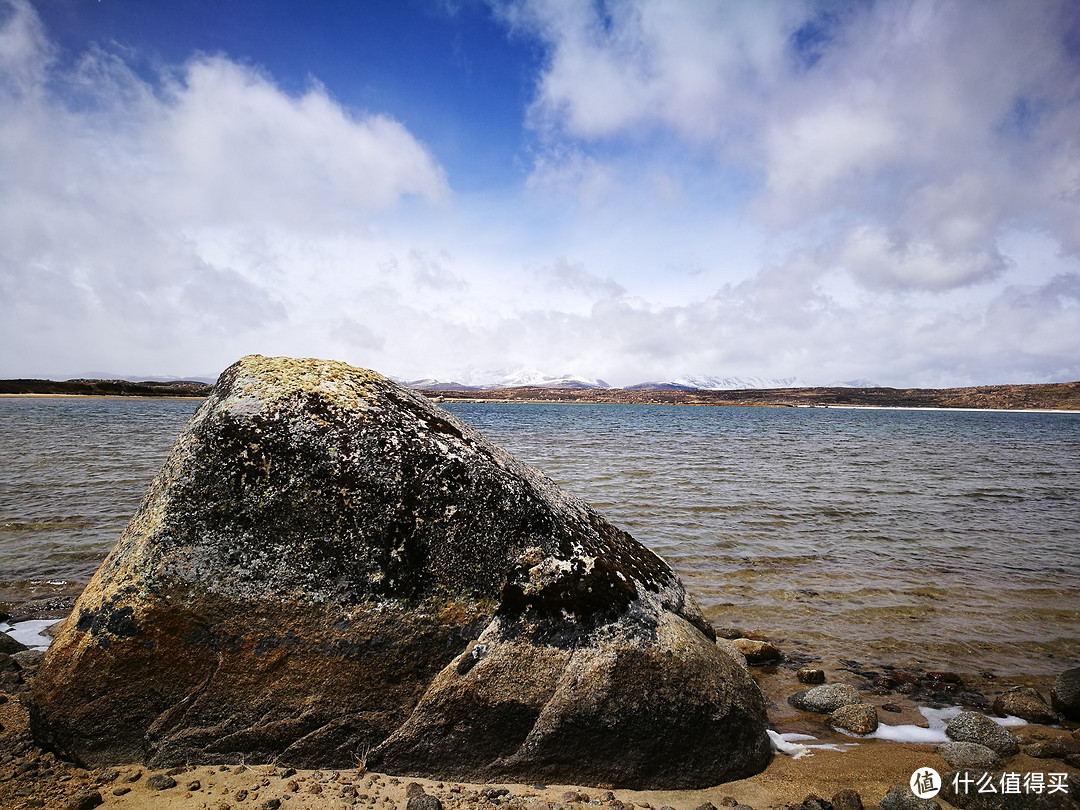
[{"x": 817, "y": 190}]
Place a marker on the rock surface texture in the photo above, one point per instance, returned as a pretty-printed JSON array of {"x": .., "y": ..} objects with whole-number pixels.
[{"x": 329, "y": 570}]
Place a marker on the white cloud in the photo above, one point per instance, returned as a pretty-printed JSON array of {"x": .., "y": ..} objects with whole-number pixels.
[
  {"x": 116, "y": 189},
  {"x": 941, "y": 122},
  {"x": 774, "y": 189}
]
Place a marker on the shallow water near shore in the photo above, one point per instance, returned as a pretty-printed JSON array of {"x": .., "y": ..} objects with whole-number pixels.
[{"x": 946, "y": 540}]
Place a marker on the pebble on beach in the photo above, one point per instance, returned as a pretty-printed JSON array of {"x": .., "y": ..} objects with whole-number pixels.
[
  {"x": 160, "y": 781},
  {"x": 901, "y": 798},
  {"x": 978, "y": 728},
  {"x": 969, "y": 755}
]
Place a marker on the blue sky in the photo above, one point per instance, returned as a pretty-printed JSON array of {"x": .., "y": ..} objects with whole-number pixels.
[{"x": 633, "y": 190}]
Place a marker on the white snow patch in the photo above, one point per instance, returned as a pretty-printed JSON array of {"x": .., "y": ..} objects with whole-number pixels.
[{"x": 30, "y": 632}]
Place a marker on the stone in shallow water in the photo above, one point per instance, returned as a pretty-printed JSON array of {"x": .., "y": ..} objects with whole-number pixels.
[
  {"x": 1065, "y": 693},
  {"x": 858, "y": 718},
  {"x": 329, "y": 568},
  {"x": 825, "y": 699},
  {"x": 1026, "y": 703}
]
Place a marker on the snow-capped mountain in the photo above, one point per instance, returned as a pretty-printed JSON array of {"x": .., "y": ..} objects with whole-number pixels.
[
  {"x": 859, "y": 383},
  {"x": 520, "y": 377},
  {"x": 695, "y": 383}
]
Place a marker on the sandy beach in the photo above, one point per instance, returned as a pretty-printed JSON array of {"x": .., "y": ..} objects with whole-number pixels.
[{"x": 32, "y": 778}]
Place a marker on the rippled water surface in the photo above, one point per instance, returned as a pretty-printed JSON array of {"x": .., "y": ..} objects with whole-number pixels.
[{"x": 950, "y": 539}]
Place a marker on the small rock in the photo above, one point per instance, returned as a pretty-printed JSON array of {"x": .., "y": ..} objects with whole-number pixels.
[
  {"x": 891, "y": 707},
  {"x": 424, "y": 802},
  {"x": 728, "y": 801},
  {"x": 847, "y": 800},
  {"x": 706, "y": 806},
  {"x": 494, "y": 792},
  {"x": 9, "y": 664},
  {"x": 858, "y": 718},
  {"x": 901, "y": 798},
  {"x": 242, "y": 794},
  {"x": 121, "y": 791},
  {"x": 8, "y": 645},
  {"x": 969, "y": 755},
  {"x": 108, "y": 775},
  {"x": 133, "y": 777},
  {"x": 825, "y": 699},
  {"x": 813, "y": 802},
  {"x": 1053, "y": 749},
  {"x": 194, "y": 785},
  {"x": 414, "y": 789},
  {"x": 160, "y": 781},
  {"x": 810, "y": 675},
  {"x": 944, "y": 677},
  {"x": 285, "y": 774},
  {"x": 571, "y": 796},
  {"x": 1027, "y": 704},
  {"x": 758, "y": 652},
  {"x": 28, "y": 659},
  {"x": 1065, "y": 693},
  {"x": 272, "y": 804},
  {"x": 85, "y": 801},
  {"x": 978, "y": 728}
]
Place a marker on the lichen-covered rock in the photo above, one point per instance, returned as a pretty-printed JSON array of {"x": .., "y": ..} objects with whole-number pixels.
[
  {"x": 330, "y": 568},
  {"x": 1026, "y": 703},
  {"x": 1055, "y": 749},
  {"x": 901, "y": 798},
  {"x": 964, "y": 755},
  {"x": 978, "y": 728},
  {"x": 1065, "y": 693},
  {"x": 825, "y": 699},
  {"x": 858, "y": 718}
]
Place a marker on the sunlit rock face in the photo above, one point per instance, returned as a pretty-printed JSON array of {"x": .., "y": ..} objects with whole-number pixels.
[{"x": 330, "y": 570}]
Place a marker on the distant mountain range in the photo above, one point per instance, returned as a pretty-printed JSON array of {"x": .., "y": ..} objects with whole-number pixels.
[
  {"x": 514, "y": 378},
  {"x": 531, "y": 378},
  {"x": 526, "y": 377}
]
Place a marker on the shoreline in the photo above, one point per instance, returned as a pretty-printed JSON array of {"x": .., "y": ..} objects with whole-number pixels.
[
  {"x": 440, "y": 400},
  {"x": 834, "y": 761},
  {"x": 1036, "y": 397},
  {"x": 104, "y": 396}
]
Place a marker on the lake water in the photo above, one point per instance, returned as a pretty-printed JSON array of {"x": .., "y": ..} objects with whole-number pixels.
[{"x": 949, "y": 540}]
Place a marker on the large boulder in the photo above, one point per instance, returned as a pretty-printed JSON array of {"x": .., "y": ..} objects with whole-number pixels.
[{"x": 329, "y": 570}]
